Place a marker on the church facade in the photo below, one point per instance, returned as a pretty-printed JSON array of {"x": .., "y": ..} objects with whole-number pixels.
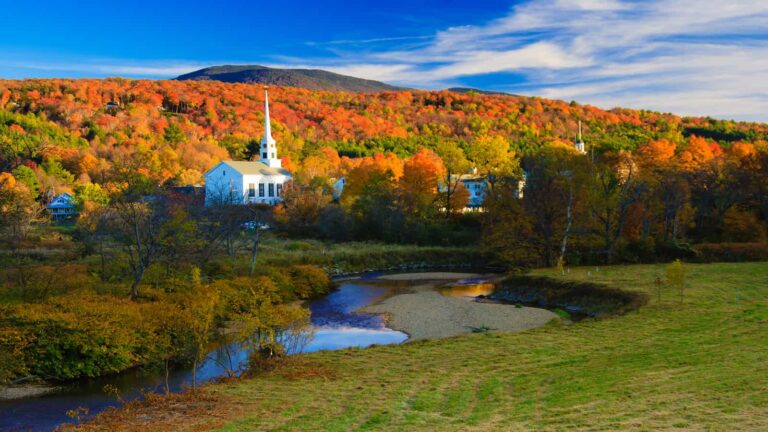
[{"x": 249, "y": 182}]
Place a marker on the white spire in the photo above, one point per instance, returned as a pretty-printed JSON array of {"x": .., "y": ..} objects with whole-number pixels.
[
  {"x": 579, "y": 125},
  {"x": 268, "y": 144},
  {"x": 580, "y": 146}
]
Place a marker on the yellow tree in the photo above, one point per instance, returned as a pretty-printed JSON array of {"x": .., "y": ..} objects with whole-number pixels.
[
  {"x": 455, "y": 194},
  {"x": 493, "y": 158}
]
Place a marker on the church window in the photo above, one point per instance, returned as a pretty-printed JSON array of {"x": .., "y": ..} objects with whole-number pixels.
[
  {"x": 251, "y": 190},
  {"x": 271, "y": 189},
  {"x": 261, "y": 190}
]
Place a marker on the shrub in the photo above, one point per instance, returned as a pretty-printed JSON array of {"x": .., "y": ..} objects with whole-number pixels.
[
  {"x": 731, "y": 252},
  {"x": 586, "y": 298},
  {"x": 301, "y": 246},
  {"x": 84, "y": 334},
  {"x": 309, "y": 281},
  {"x": 13, "y": 362}
]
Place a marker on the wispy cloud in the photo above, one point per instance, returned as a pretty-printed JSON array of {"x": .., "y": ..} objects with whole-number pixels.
[
  {"x": 693, "y": 57},
  {"x": 137, "y": 68},
  {"x": 367, "y": 41}
]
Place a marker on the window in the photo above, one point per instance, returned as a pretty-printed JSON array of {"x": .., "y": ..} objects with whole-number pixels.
[
  {"x": 264, "y": 155},
  {"x": 279, "y": 189},
  {"x": 261, "y": 190},
  {"x": 223, "y": 173},
  {"x": 271, "y": 189},
  {"x": 273, "y": 155},
  {"x": 251, "y": 190}
]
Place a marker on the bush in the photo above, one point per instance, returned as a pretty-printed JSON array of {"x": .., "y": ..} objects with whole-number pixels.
[
  {"x": 301, "y": 246},
  {"x": 309, "y": 281},
  {"x": 731, "y": 252},
  {"x": 586, "y": 298},
  {"x": 13, "y": 363},
  {"x": 84, "y": 334}
]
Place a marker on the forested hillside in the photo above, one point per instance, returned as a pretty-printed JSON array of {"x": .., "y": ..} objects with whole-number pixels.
[
  {"x": 69, "y": 131},
  {"x": 311, "y": 79}
]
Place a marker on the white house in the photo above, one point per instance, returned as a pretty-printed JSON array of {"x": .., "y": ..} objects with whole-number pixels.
[
  {"x": 477, "y": 187},
  {"x": 62, "y": 207},
  {"x": 247, "y": 182}
]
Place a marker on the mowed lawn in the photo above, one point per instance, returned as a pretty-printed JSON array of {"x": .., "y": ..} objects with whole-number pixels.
[{"x": 700, "y": 365}]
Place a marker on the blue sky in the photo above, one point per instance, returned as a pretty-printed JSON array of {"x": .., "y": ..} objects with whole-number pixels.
[{"x": 692, "y": 57}]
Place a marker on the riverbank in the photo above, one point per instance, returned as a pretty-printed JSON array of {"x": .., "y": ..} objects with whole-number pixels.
[{"x": 699, "y": 365}]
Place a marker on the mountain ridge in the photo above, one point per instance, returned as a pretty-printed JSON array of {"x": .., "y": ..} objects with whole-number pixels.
[{"x": 310, "y": 79}]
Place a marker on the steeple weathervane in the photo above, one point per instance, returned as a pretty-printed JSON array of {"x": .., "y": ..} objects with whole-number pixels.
[{"x": 268, "y": 144}]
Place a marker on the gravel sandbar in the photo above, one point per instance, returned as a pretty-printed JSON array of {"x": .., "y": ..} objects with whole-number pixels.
[{"x": 426, "y": 314}]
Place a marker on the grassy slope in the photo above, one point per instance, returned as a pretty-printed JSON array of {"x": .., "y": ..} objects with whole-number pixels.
[{"x": 702, "y": 366}]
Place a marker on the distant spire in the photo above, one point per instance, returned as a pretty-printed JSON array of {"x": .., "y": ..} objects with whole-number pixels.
[{"x": 580, "y": 146}]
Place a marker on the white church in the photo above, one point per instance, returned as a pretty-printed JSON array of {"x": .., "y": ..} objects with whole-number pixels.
[{"x": 249, "y": 182}]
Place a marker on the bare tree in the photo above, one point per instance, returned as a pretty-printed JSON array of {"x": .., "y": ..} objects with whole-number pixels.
[
  {"x": 260, "y": 219},
  {"x": 138, "y": 227}
]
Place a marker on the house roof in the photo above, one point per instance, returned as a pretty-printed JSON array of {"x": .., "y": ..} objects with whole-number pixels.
[
  {"x": 468, "y": 177},
  {"x": 62, "y": 201},
  {"x": 251, "y": 167}
]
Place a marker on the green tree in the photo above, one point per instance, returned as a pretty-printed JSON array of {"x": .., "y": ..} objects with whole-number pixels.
[
  {"x": 25, "y": 175},
  {"x": 173, "y": 134}
]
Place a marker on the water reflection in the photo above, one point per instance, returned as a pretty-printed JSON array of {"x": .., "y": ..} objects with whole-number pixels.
[{"x": 467, "y": 290}]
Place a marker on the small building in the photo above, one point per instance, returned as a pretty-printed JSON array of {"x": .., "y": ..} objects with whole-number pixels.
[
  {"x": 477, "y": 188},
  {"x": 249, "y": 182},
  {"x": 62, "y": 207}
]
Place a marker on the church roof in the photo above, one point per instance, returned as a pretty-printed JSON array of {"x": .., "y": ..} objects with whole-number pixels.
[{"x": 251, "y": 167}]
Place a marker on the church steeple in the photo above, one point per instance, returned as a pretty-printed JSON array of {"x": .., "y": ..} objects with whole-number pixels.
[
  {"x": 268, "y": 144},
  {"x": 580, "y": 146}
]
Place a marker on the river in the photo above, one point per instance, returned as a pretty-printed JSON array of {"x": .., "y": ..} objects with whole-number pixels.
[{"x": 335, "y": 324}]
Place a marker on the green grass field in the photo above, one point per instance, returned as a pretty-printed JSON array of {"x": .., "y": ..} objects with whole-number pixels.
[{"x": 700, "y": 365}]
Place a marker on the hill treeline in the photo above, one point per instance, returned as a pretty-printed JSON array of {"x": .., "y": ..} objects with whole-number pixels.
[{"x": 69, "y": 131}]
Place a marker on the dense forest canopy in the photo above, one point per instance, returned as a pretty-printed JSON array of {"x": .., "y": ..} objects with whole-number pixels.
[{"x": 175, "y": 131}]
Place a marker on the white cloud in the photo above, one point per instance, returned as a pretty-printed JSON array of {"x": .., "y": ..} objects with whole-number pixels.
[{"x": 692, "y": 57}]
